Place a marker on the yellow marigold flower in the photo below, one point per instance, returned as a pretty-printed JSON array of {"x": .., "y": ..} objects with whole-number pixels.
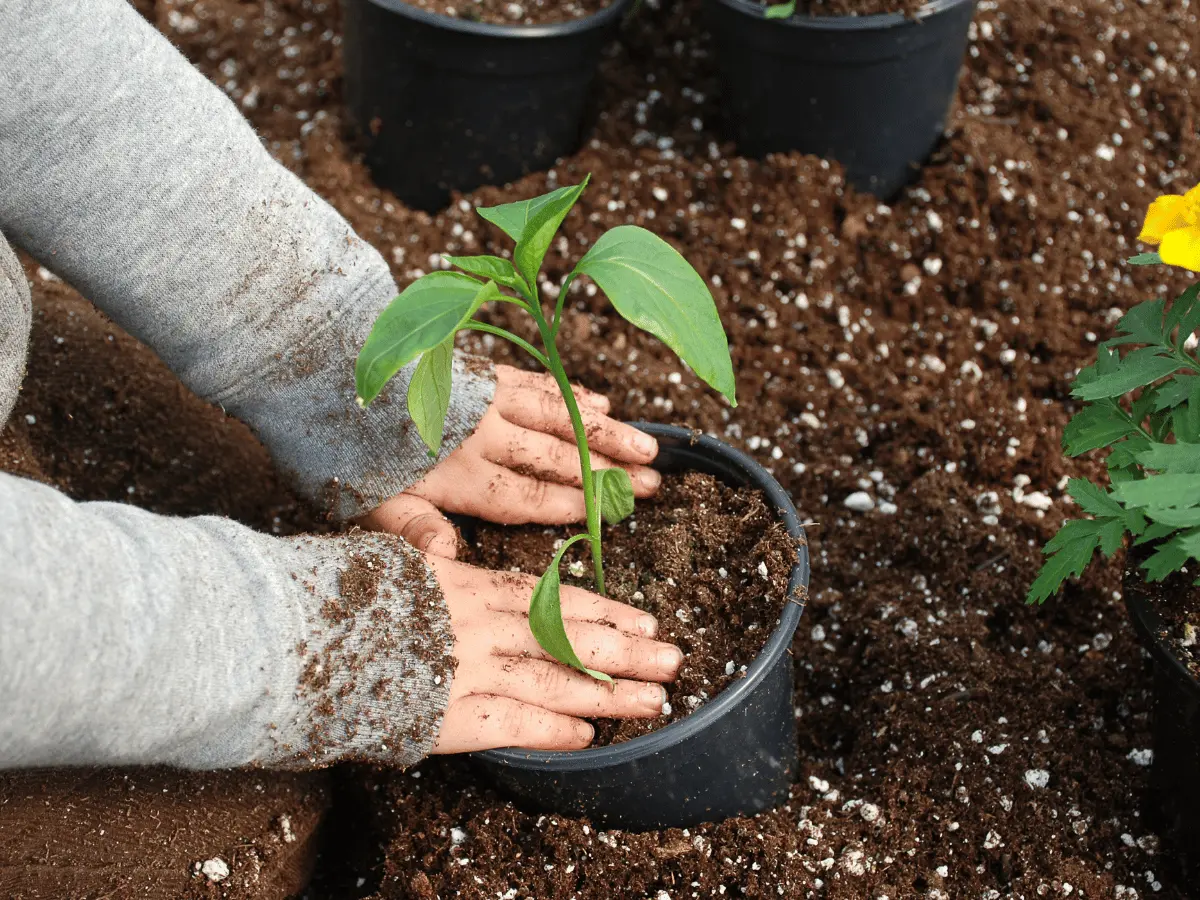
[{"x": 1173, "y": 222}]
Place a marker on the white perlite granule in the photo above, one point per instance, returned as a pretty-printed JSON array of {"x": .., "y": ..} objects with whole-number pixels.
[
  {"x": 215, "y": 869},
  {"x": 1037, "y": 778}
]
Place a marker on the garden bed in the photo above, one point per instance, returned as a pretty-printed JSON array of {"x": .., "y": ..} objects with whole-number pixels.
[{"x": 914, "y": 359}]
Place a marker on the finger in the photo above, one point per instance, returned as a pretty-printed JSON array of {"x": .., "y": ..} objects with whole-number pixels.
[
  {"x": 597, "y": 646},
  {"x": 547, "y": 413},
  {"x": 417, "y": 521},
  {"x": 509, "y": 592},
  {"x": 484, "y": 722},
  {"x": 545, "y": 456},
  {"x": 563, "y": 690},
  {"x": 509, "y": 378}
]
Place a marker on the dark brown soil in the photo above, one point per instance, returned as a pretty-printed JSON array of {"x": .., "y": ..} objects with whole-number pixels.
[
  {"x": 954, "y": 743},
  {"x": 513, "y": 12},
  {"x": 710, "y": 563},
  {"x": 1177, "y": 600},
  {"x": 156, "y": 834},
  {"x": 854, "y": 7}
]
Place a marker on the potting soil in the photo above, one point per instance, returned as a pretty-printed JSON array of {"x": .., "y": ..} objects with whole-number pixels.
[
  {"x": 904, "y": 370},
  {"x": 513, "y": 12}
]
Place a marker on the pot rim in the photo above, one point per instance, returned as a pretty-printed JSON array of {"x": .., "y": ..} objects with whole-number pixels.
[
  {"x": 776, "y": 645},
  {"x": 1150, "y": 626},
  {"x": 519, "y": 32},
  {"x": 845, "y": 23}
]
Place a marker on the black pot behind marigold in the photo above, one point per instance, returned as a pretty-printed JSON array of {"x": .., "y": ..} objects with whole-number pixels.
[
  {"x": 733, "y": 756},
  {"x": 444, "y": 104},
  {"x": 870, "y": 92},
  {"x": 1175, "y": 777}
]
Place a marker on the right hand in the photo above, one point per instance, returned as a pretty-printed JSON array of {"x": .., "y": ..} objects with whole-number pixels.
[{"x": 508, "y": 692}]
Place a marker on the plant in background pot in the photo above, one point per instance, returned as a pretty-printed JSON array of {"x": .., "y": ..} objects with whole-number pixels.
[
  {"x": 444, "y": 103},
  {"x": 733, "y": 755},
  {"x": 1143, "y": 408},
  {"x": 869, "y": 91}
]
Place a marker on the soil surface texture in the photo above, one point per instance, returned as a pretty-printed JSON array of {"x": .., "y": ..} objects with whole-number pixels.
[
  {"x": 709, "y": 562},
  {"x": 854, "y": 7},
  {"x": 158, "y": 834},
  {"x": 513, "y": 12},
  {"x": 913, "y": 359}
]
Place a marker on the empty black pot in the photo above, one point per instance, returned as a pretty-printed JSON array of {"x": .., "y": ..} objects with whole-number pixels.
[
  {"x": 1176, "y": 728},
  {"x": 734, "y": 756},
  {"x": 871, "y": 92},
  {"x": 448, "y": 104}
]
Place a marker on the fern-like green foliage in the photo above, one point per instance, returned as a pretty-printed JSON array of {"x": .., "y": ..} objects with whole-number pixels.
[{"x": 1142, "y": 408}]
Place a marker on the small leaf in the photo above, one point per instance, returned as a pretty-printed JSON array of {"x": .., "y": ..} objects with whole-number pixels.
[
  {"x": 1096, "y": 425},
  {"x": 1144, "y": 259},
  {"x": 1190, "y": 320},
  {"x": 426, "y": 313},
  {"x": 655, "y": 288},
  {"x": 1171, "y": 393},
  {"x": 1154, "y": 532},
  {"x": 429, "y": 393},
  {"x": 1111, "y": 536},
  {"x": 1142, "y": 324},
  {"x": 1180, "y": 309},
  {"x": 781, "y": 10},
  {"x": 614, "y": 493},
  {"x": 539, "y": 231},
  {"x": 1094, "y": 500},
  {"x": 545, "y": 616},
  {"x": 1138, "y": 369},
  {"x": 1161, "y": 491},
  {"x": 496, "y": 268},
  {"x": 512, "y": 218},
  {"x": 1179, "y": 458},
  {"x": 1069, "y": 552},
  {"x": 1185, "y": 419},
  {"x": 1173, "y": 555}
]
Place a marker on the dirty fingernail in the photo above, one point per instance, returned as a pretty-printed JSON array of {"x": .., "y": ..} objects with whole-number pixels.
[
  {"x": 670, "y": 658},
  {"x": 643, "y": 443},
  {"x": 584, "y": 732},
  {"x": 653, "y": 695},
  {"x": 647, "y": 625}
]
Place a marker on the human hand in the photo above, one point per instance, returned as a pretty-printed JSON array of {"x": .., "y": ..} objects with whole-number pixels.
[
  {"x": 520, "y": 465},
  {"x": 508, "y": 692}
]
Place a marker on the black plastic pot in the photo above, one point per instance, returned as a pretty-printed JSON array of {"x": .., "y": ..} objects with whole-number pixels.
[
  {"x": 1175, "y": 777},
  {"x": 871, "y": 92},
  {"x": 736, "y": 755},
  {"x": 446, "y": 104}
]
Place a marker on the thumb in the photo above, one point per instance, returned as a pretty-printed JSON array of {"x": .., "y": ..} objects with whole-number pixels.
[{"x": 417, "y": 521}]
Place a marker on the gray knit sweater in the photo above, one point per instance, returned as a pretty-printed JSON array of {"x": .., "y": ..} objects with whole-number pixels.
[{"x": 131, "y": 638}]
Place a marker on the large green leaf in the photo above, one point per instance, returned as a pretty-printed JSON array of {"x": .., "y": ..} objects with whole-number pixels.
[
  {"x": 1093, "y": 499},
  {"x": 540, "y": 229},
  {"x": 614, "y": 491},
  {"x": 1137, "y": 369},
  {"x": 1096, "y": 425},
  {"x": 1067, "y": 555},
  {"x": 427, "y": 312},
  {"x": 512, "y": 218},
  {"x": 1161, "y": 491},
  {"x": 545, "y": 615},
  {"x": 1170, "y": 556},
  {"x": 655, "y": 288},
  {"x": 429, "y": 393},
  {"x": 1142, "y": 325},
  {"x": 1179, "y": 458},
  {"x": 496, "y": 268}
]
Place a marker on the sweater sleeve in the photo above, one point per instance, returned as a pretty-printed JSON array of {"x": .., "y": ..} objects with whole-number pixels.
[
  {"x": 130, "y": 175},
  {"x": 132, "y": 639}
]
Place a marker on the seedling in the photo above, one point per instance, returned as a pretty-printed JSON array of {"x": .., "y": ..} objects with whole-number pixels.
[
  {"x": 1143, "y": 409},
  {"x": 781, "y": 10},
  {"x": 647, "y": 282}
]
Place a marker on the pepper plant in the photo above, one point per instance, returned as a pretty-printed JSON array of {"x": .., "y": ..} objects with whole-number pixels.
[
  {"x": 1143, "y": 409},
  {"x": 647, "y": 282}
]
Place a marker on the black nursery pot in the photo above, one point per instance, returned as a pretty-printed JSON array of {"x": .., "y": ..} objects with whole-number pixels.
[
  {"x": 1175, "y": 777},
  {"x": 446, "y": 104},
  {"x": 871, "y": 92},
  {"x": 733, "y": 756}
]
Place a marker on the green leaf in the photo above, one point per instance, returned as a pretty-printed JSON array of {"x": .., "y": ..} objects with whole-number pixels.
[
  {"x": 539, "y": 232},
  {"x": 427, "y": 312},
  {"x": 1181, "y": 308},
  {"x": 1143, "y": 324},
  {"x": 781, "y": 10},
  {"x": 496, "y": 268},
  {"x": 1154, "y": 532},
  {"x": 1068, "y": 554},
  {"x": 1171, "y": 393},
  {"x": 1142, "y": 367},
  {"x": 655, "y": 288},
  {"x": 1176, "y": 518},
  {"x": 1096, "y": 425},
  {"x": 1144, "y": 259},
  {"x": 1172, "y": 555},
  {"x": 429, "y": 393},
  {"x": 614, "y": 493},
  {"x": 1177, "y": 459},
  {"x": 512, "y": 218},
  {"x": 1161, "y": 491},
  {"x": 1190, "y": 320},
  {"x": 1185, "y": 419},
  {"x": 1111, "y": 536},
  {"x": 1092, "y": 499},
  {"x": 545, "y": 616}
]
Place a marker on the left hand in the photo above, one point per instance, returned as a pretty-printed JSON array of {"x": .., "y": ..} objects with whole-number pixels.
[{"x": 520, "y": 465}]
